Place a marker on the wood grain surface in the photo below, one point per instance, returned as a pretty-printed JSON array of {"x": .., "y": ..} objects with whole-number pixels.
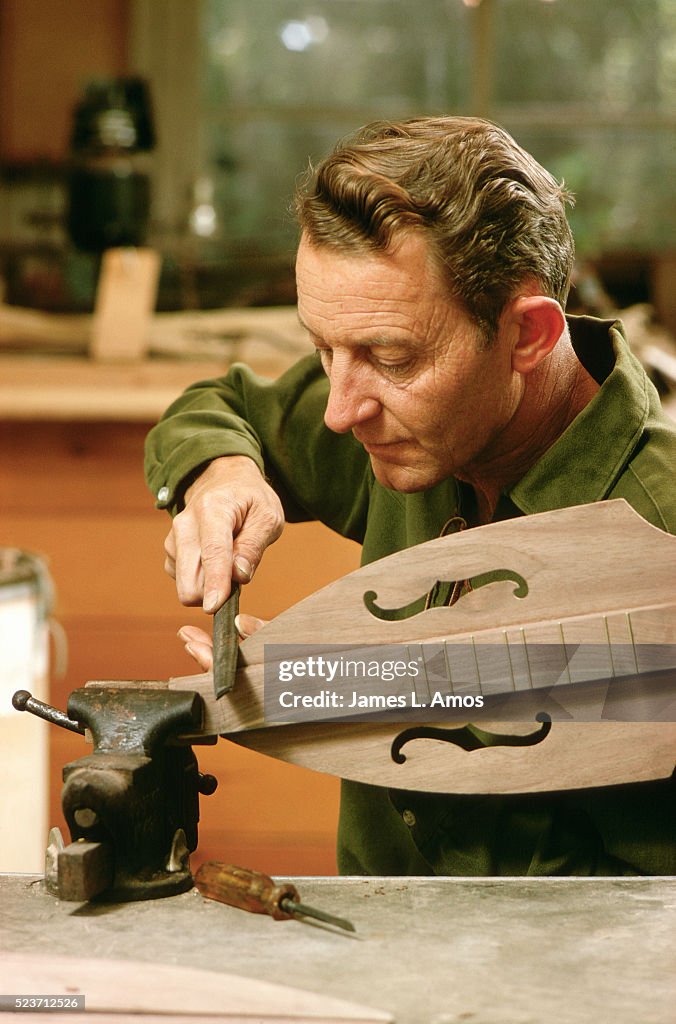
[
  {"x": 123, "y": 989},
  {"x": 597, "y": 575}
]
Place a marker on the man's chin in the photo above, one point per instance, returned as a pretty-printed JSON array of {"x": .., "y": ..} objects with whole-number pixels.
[{"x": 406, "y": 479}]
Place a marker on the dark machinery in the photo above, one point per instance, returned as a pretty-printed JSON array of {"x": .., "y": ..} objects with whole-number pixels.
[{"x": 132, "y": 805}]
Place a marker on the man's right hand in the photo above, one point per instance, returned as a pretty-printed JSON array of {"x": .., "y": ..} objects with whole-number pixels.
[{"x": 231, "y": 515}]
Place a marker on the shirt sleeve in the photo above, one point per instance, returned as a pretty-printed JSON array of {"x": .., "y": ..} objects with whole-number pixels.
[{"x": 279, "y": 424}]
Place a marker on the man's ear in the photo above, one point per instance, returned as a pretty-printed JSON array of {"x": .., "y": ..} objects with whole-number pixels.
[{"x": 539, "y": 322}]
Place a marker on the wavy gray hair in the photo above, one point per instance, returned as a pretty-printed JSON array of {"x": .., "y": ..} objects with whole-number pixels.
[{"x": 494, "y": 218}]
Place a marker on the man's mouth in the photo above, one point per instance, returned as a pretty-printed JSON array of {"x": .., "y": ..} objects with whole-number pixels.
[
  {"x": 369, "y": 443},
  {"x": 381, "y": 448}
]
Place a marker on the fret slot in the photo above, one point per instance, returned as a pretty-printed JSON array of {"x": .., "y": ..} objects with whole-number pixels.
[
  {"x": 519, "y": 668},
  {"x": 434, "y": 674},
  {"x": 464, "y": 669}
]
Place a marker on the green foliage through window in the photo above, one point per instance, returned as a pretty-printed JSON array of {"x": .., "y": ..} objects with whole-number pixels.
[{"x": 588, "y": 86}]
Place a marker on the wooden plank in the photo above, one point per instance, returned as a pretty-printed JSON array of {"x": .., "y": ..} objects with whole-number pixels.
[
  {"x": 52, "y": 389},
  {"x": 573, "y": 583},
  {"x": 142, "y": 989},
  {"x": 125, "y": 299},
  {"x": 199, "y": 345},
  {"x": 569, "y": 574},
  {"x": 49, "y": 389},
  {"x": 575, "y": 755}
]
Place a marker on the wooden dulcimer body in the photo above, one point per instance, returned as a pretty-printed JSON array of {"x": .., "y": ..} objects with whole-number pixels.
[{"x": 592, "y": 587}]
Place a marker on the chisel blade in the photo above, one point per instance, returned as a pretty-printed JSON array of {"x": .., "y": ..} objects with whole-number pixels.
[{"x": 226, "y": 644}]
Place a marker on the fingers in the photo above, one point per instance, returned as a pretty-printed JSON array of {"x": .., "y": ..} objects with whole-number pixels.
[
  {"x": 170, "y": 554},
  {"x": 262, "y": 526},
  {"x": 243, "y": 568},
  {"x": 194, "y": 634},
  {"x": 198, "y": 551},
  {"x": 183, "y": 558},
  {"x": 247, "y": 625},
  {"x": 230, "y": 517},
  {"x": 203, "y": 655},
  {"x": 218, "y": 519},
  {"x": 198, "y": 645}
]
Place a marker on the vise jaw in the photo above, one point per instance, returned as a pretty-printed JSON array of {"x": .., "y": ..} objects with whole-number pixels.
[{"x": 132, "y": 805}]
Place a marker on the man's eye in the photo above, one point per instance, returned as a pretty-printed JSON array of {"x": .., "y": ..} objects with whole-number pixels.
[{"x": 395, "y": 370}]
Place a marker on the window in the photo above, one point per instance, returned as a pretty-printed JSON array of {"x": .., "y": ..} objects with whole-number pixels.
[{"x": 588, "y": 87}]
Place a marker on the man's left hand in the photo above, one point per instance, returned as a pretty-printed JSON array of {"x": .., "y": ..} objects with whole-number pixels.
[{"x": 200, "y": 645}]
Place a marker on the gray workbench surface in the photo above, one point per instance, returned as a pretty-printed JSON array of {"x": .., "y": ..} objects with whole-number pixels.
[{"x": 476, "y": 951}]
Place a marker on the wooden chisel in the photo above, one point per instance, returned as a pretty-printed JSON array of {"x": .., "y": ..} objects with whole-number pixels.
[{"x": 226, "y": 644}]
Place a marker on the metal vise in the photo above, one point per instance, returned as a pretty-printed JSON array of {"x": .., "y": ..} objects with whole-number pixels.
[{"x": 132, "y": 805}]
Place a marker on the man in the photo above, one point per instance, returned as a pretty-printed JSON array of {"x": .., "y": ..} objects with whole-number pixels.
[{"x": 448, "y": 388}]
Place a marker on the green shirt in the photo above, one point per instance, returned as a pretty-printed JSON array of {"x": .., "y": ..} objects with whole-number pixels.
[{"x": 621, "y": 446}]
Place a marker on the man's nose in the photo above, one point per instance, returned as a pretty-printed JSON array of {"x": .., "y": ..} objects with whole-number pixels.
[{"x": 351, "y": 401}]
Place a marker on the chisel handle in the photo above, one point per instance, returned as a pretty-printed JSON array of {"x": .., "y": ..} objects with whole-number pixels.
[{"x": 246, "y": 889}]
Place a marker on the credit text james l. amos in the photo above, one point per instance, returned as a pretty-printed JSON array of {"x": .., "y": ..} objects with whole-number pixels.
[{"x": 334, "y": 699}]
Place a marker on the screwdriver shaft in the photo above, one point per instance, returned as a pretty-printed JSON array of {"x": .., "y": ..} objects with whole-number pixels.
[{"x": 296, "y": 907}]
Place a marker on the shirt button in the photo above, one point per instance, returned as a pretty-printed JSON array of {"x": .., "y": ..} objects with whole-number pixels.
[
  {"x": 409, "y": 818},
  {"x": 163, "y": 494}
]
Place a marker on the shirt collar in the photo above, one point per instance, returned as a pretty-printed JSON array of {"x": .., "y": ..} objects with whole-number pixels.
[{"x": 584, "y": 463}]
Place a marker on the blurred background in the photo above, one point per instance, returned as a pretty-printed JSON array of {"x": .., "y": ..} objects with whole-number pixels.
[
  {"x": 244, "y": 92},
  {"x": 178, "y": 128}
]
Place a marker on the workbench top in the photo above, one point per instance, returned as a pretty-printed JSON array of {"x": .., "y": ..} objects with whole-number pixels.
[
  {"x": 48, "y": 388},
  {"x": 46, "y": 373},
  {"x": 427, "y": 950}
]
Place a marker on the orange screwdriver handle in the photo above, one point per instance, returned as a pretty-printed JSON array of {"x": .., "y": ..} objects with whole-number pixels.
[{"x": 248, "y": 890}]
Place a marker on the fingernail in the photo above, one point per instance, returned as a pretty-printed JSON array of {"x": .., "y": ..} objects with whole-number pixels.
[
  {"x": 212, "y": 601},
  {"x": 191, "y": 651},
  {"x": 242, "y": 635},
  {"x": 243, "y": 566}
]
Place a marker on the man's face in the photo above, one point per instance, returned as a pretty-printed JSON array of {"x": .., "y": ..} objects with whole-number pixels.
[{"x": 407, "y": 372}]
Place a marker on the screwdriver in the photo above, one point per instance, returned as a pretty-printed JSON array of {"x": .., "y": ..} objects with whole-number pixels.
[{"x": 257, "y": 893}]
